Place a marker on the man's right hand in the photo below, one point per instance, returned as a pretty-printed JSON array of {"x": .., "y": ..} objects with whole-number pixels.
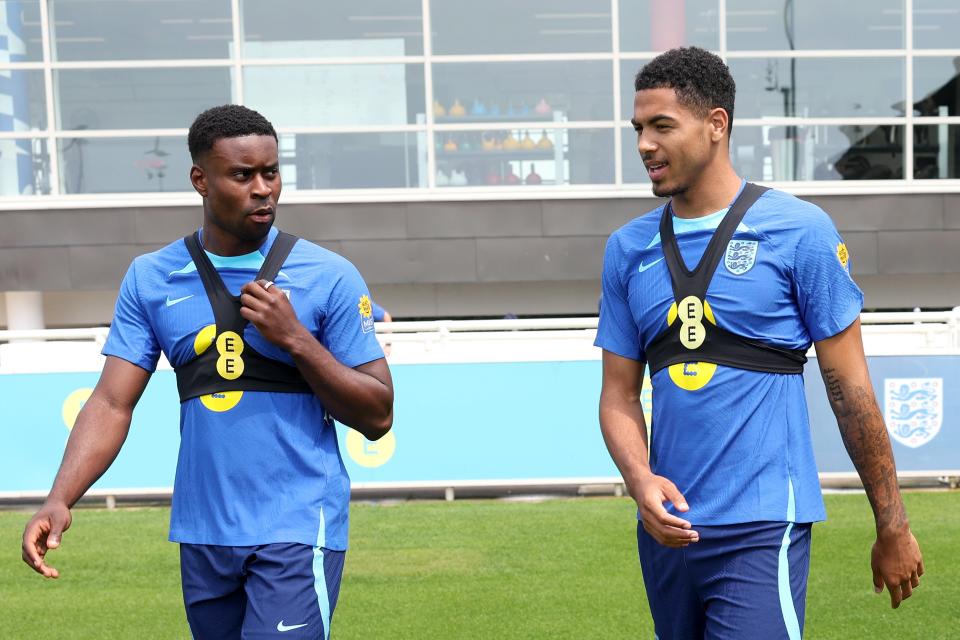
[
  {"x": 667, "y": 529},
  {"x": 43, "y": 533}
]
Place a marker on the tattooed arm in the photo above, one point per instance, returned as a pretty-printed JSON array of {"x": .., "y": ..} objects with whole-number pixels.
[{"x": 896, "y": 559}]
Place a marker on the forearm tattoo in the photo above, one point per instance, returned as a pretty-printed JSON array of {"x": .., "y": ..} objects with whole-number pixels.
[{"x": 865, "y": 438}]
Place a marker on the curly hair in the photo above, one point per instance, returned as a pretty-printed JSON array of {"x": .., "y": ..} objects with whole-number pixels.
[
  {"x": 701, "y": 79},
  {"x": 225, "y": 121}
]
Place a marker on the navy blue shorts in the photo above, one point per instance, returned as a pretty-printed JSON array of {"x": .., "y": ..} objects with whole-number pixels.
[
  {"x": 739, "y": 581},
  {"x": 268, "y": 591}
]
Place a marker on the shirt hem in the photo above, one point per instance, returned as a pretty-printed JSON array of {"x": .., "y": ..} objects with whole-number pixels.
[{"x": 279, "y": 537}]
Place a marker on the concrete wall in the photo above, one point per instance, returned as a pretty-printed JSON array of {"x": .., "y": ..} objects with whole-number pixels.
[{"x": 448, "y": 259}]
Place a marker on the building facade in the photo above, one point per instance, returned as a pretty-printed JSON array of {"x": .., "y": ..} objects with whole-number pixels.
[{"x": 470, "y": 158}]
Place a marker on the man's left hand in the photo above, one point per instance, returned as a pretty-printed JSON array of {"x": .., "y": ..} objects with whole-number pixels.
[
  {"x": 897, "y": 563},
  {"x": 268, "y": 308}
]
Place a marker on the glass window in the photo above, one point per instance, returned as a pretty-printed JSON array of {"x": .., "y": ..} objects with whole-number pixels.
[
  {"x": 532, "y": 26},
  {"x": 936, "y": 86},
  {"x": 138, "y": 98},
  {"x": 628, "y": 72},
  {"x": 782, "y": 87},
  {"x": 124, "y": 165},
  {"x": 322, "y": 28},
  {"x": 22, "y": 103},
  {"x": 633, "y": 170},
  {"x": 336, "y": 95},
  {"x": 352, "y": 160},
  {"x": 24, "y": 167},
  {"x": 814, "y": 24},
  {"x": 511, "y": 157},
  {"x": 20, "y": 39},
  {"x": 848, "y": 152},
  {"x": 654, "y": 25},
  {"x": 522, "y": 91},
  {"x": 936, "y": 151},
  {"x": 142, "y": 30},
  {"x": 936, "y": 24}
]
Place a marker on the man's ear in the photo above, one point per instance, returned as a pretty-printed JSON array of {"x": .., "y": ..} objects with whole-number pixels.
[
  {"x": 719, "y": 121},
  {"x": 198, "y": 178}
]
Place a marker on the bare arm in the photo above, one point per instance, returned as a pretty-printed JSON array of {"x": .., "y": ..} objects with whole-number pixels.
[
  {"x": 361, "y": 398},
  {"x": 625, "y": 434},
  {"x": 896, "y": 557},
  {"x": 95, "y": 440}
]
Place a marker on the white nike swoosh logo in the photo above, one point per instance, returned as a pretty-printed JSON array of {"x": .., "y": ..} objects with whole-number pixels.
[
  {"x": 644, "y": 267},
  {"x": 282, "y": 627},
  {"x": 170, "y": 302}
]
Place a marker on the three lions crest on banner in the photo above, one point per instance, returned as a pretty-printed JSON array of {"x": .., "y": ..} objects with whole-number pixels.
[{"x": 913, "y": 409}]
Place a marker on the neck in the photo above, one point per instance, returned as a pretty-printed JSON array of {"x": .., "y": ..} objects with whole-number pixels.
[
  {"x": 714, "y": 190},
  {"x": 219, "y": 242}
]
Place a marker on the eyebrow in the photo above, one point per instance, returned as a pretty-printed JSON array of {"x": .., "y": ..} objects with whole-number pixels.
[{"x": 655, "y": 119}]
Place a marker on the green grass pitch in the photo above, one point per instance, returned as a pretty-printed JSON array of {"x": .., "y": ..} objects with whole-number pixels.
[{"x": 564, "y": 568}]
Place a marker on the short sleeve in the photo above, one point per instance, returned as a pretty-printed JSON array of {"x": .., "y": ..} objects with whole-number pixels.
[
  {"x": 617, "y": 331},
  {"x": 131, "y": 335},
  {"x": 347, "y": 329},
  {"x": 828, "y": 298}
]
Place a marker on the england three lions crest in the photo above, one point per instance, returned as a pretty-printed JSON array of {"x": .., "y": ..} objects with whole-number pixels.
[
  {"x": 913, "y": 409},
  {"x": 741, "y": 254}
]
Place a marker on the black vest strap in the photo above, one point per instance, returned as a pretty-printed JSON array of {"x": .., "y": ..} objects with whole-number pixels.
[
  {"x": 697, "y": 339},
  {"x": 201, "y": 376}
]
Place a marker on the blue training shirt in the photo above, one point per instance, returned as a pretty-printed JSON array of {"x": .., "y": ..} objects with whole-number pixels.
[
  {"x": 735, "y": 442},
  {"x": 254, "y": 467}
]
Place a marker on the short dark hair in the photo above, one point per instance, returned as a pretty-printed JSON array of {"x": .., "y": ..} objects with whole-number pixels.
[
  {"x": 225, "y": 121},
  {"x": 701, "y": 79}
]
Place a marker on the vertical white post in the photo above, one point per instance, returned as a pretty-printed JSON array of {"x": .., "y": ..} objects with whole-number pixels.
[
  {"x": 617, "y": 110},
  {"x": 943, "y": 143},
  {"x": 24, "y": 310},
  {"x": 52, "y": 119},
  {"x": 908, "y": 106},
  {"x": 237, "y": 51},
  {"x": 428, "y": 89}
]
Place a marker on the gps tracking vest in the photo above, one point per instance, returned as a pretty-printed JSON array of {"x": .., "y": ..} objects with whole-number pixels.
[
  {"x": 228, "y": 364},
  {"x": 692, "y": 335}
]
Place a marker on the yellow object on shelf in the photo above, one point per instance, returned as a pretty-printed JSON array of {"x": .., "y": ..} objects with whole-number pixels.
[
  {"x": 527, "y": 142},
  {"x": 511, "y": 143},
  {"x": 438, "y": 110},
  {"x": 457, "y": 110},
  {"x": 450, "y": 145},
  {"x": 544, "y": 142}
]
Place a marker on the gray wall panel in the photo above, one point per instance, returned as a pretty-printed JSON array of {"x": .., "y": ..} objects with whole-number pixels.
[
  {"x": 40, "y": 268},
  {"x": 163, "y": 225},
  {"x": 102, "y": 267},
  {"x": 64, "y": 227},
  {"x": 919, "y": 252},
  {"x": 863, "y": 251},
  {"x": 343, "y": 221},
  {"x": 592, "y": 217},
  {"x": 524, "y": 259},
  {"x": 927, "y": 291},
  {"x": 951, "y": 211},
  {"x": 426, "y": 259},
  {"x": 878, "y": 213},
  {"x": 474, "y": 219},
  {"x": 497, "y": 299},
  {"x": 400, "y": 261}
]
